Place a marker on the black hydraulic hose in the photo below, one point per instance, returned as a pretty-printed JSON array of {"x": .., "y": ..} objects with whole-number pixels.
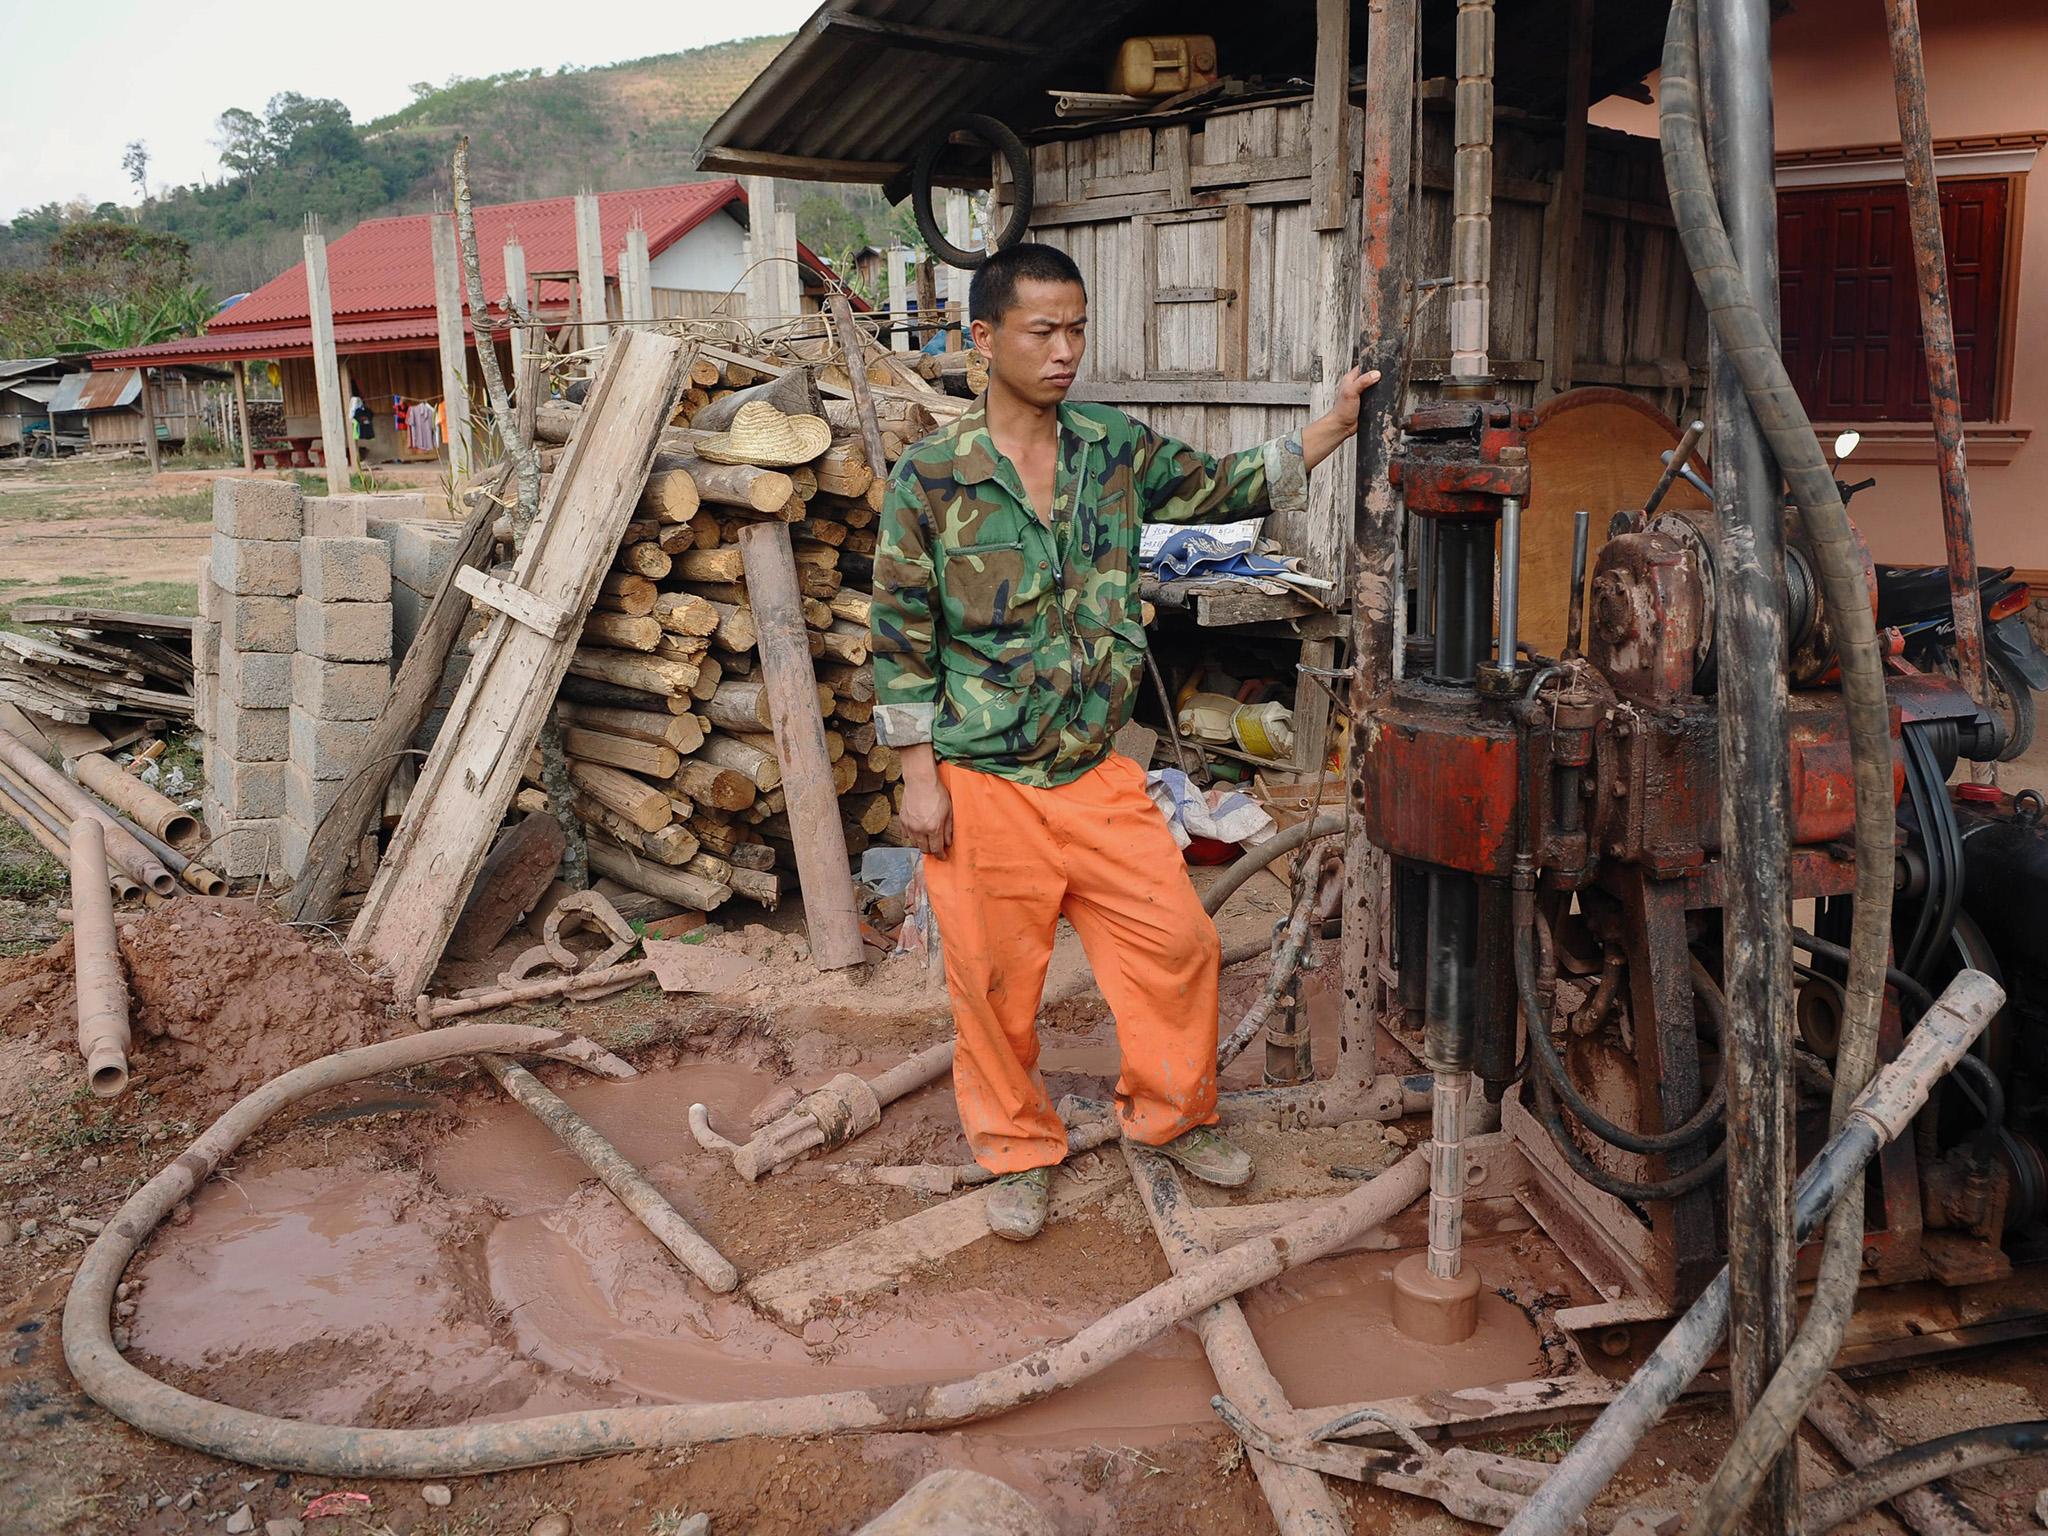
[
  {"x": 1909, "y": 987},
  {"x": 1862, "y": 1490},
  {"x": 1697, "y": 1177},
  {"x": 1747, "y": 342},
  {"x": 1325, "y": 825},
  {"x": 1543, "y": 1052}
]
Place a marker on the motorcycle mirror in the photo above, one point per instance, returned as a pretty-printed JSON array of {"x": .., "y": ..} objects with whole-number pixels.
[{"x": 1845, "y": 444}]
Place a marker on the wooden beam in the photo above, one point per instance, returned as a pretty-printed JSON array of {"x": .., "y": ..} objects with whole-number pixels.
[
  {"x": 326, "y": 368},
  {"x": 590, "y": 304},
  {"x": 1329, "y": 177},
  {"x": 958, "y": 224},
  {"x": 348, "y": 420},
  {"x": 469, "y": 778},
  {"x": 941, "y": 40},
  {"x": 543, "y": 618},
  {"x": 762, "y": 162},
  {"x": 519, "y": 296},
  {"x": 242, "y": 412},
  {"x": 1557, "y": 325},
  {"x": 150, "y": 448},
  {"x": 638, "y": 289},
  {"x": 1170, "y": 391},
  {"x": 830, "y": 913},
  {"x": 899, "y": 299},
  {"x": 453, "y": 346}
]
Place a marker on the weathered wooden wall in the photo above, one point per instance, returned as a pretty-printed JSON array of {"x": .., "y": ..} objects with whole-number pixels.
[{"x": 1207, "y": 282}]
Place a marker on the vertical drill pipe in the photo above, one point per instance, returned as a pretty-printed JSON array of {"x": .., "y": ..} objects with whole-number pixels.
[
  {"x": 1464, "y": 597},
  {"x": 1755, "y": 755},
  {"x": 1510, "y": 579},
  {"x": 96, "y": 959},
  {"x": 1386, "y": 157},
  {"x": 1448, "y": 1029},
  {"x": 1944, "y": 388},
  {"x": 1472, "y": 193},
  {"x": 1576, "y": 609}
]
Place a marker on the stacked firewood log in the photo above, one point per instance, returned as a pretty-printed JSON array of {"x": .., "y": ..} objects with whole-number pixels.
[{"x": 664, "y": 718}]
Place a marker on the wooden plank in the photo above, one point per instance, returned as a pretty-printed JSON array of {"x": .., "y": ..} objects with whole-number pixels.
[
  {"x": 1329, "y": 177},
  {"x": 520, "y": 866},
  {"x": 119, "y": 620},
  {"x": 326, "y": 374},
  {"x": 830, "y": 914},
  {"x": 413, "y": 691},
  {"x": 1233, "y": 314},
  {"x": 1558, "y": 293},
  {"x": 590, "y": 298},
  {"x": 877, "y": 1259},
  {"x": 469, "y": 778},
  {"x": 1189, "y": 392},
  {"x": 502, "y": 597},
  {"x": 1294, "y": 189}
]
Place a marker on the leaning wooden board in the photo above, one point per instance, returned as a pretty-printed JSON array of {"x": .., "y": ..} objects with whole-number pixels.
[{"x": 469, "y": 778}]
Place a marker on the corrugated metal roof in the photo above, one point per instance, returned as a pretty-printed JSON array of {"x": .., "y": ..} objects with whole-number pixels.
[
  {"x": 15, "y": 367},
  {"x": 386, "y": 266},
  {"x": 97, "y": 391},
  {"x": 37, "y": 390},
  {"x": 865, "y": 84}
]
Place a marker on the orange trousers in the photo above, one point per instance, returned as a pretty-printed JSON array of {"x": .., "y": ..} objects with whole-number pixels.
[{"x": 1097, "y": 852}]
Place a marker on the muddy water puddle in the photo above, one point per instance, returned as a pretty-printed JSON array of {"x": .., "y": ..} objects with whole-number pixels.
[{"x": 502, "y": 1277}]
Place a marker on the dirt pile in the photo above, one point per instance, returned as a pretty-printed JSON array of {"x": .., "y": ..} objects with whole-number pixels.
[{"x": 222, "y": 998}]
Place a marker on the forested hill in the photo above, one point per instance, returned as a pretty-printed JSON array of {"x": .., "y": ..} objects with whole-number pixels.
[{"x": 532, "y": 134}]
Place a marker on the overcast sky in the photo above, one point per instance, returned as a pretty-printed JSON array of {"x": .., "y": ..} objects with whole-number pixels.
[{"x": 81, "y": 84}]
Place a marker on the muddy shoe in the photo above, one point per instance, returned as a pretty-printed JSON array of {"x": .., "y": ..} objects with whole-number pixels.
[
  {"x": 1016, "y": 1204},
  {"x": 1209, "y": 1157}
]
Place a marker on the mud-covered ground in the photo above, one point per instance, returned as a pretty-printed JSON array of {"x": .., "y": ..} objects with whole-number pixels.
[{"x": 416, "y": 1251}]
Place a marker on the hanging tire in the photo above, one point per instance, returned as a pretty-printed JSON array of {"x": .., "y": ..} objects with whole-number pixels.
[
  {"x": 2011, "y": 696},
  {"x": 998, "y": 137}
]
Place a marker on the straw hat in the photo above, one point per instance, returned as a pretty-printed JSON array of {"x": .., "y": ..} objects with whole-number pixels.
[{"x": 762, "y": 435}]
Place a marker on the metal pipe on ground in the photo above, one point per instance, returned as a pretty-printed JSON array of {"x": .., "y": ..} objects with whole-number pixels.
[
  {"x": 461, "y": 1450},
  {"x": 1301, "y": 1504},
  {"x": 103, "y": 1036},
  {"x": 689, "y": 1246},
  {"x": 53, "y": 832},
  {"x": 73, "y": 802},
  {"x": 163, "y": 817},
  {"x": 826, "y": 1118},
  {"x": 1881, "y": 1112}
]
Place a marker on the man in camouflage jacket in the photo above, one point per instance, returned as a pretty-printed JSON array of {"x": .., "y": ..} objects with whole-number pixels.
[{"x": 1007, "y": 647}]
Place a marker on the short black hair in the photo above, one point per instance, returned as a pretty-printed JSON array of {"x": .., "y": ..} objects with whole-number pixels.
[{"x": 993, "y": 292}]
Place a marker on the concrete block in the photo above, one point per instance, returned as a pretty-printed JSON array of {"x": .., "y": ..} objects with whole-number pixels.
[
  {"x": 259, "y": 624},
  {"x": 259, "y": 567},
  {"x": 327, "y": 749},
  {"x": 249, "y": 790},
  {"x": 339, "y": 690},
  {"x": 296, "y": 841},
  {"x": 307, "y": 799},
  {"x": 253, "y": 735},
  {"x": 244, "y": 848},
  {"x": 258, "y": 509},
  {"x": 257, "y": 679},
  {"x": 345, "y": 571},
  {"x": 209, "y": 594},
  {"x": 206, "y": 647},
  {"x": 399, "y": 506},
  {"x": 421, "y": 553},
  {"x": 337, "y": 517},
  {"x": 345, "y": 631},
  {"x": 205, "y": 697},
  {"x": 408, "y": 612}
]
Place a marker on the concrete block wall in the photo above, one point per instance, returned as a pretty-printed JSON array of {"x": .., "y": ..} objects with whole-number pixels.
[
  {"x": 340, "y": 673},
  {"x": 248, "y": 592},
  {"x": 305, "y": 606}
]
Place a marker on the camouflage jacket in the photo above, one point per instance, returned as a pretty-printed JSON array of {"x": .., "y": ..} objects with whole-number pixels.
[{"x": 1014, "y": 647}]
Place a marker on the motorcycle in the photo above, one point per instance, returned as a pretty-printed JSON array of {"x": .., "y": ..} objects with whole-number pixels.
[{"x": 1914, "y": 600}]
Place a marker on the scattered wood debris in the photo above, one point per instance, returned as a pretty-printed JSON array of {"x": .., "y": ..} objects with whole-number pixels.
[{"x": 73, "y": 662}]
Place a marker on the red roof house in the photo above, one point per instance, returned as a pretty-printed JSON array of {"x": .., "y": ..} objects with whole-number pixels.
[{"x": 381, "y": 279}]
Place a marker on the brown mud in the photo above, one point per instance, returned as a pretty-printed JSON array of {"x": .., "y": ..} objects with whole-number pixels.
[{"x": 418, "y": 1251}]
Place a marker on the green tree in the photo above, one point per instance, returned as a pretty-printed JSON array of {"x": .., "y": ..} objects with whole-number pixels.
[{"x": 135, "y": 166}]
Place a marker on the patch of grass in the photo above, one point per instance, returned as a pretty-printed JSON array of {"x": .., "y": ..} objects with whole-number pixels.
[
  {"x": 28, "y": 871},
  {"x": 1550, "y": 1444}
]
